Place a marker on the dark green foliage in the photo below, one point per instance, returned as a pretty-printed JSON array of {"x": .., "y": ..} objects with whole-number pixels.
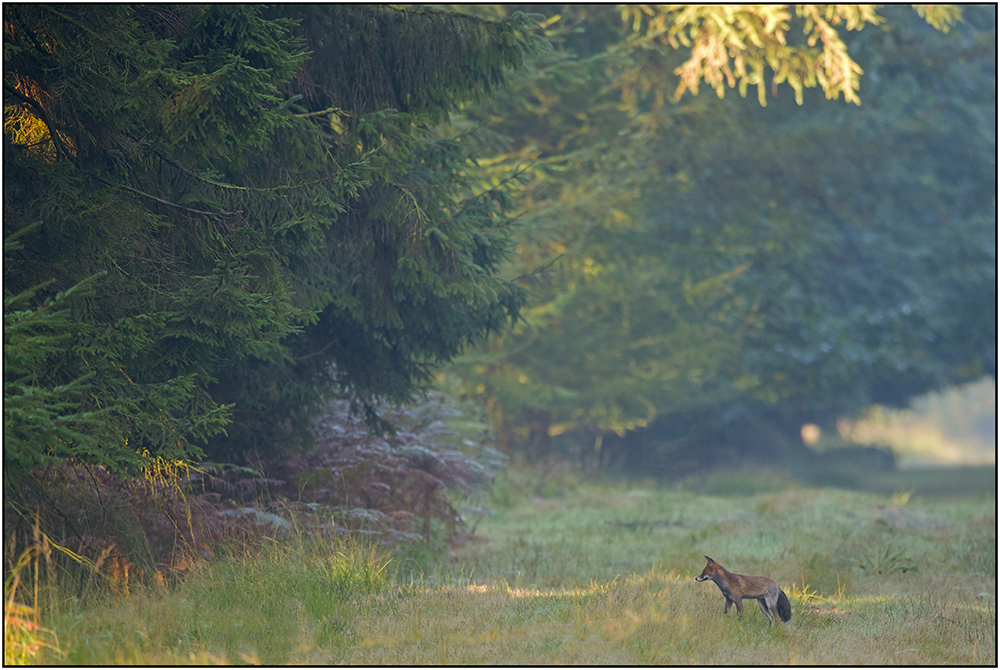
[
  {"x": 400, "y": 275},
  {"x": 417, "y": 60},
  {"x": 90, "y": 115},
  {"x": 254, "y": 250},
  {"x": 42, "y": 420}
]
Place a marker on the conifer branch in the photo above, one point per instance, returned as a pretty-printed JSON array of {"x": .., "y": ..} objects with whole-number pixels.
[
  {"x": 328, "y": 110},
  {"x": 316, "y": 353},
  {"x": 412, "y": 198},
  {"x": 539, "y": 270},
  {"x": 281, "y": 187},
  {"x": 431, "y": 11},
  {"x": 216, "y": 215},
  {"x": 73, "y": 21}
]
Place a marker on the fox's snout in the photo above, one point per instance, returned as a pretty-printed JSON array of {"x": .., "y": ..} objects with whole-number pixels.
[{"x": 706, "y": 573}]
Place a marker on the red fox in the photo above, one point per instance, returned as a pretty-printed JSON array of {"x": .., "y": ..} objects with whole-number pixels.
[{"x": 735, "y": 588}]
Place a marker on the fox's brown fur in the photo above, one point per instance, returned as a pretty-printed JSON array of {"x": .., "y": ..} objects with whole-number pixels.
[{"x": 772, "y": 600}]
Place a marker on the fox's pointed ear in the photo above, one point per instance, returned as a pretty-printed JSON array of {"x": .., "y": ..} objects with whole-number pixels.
[{"x": 709, "y": 559}]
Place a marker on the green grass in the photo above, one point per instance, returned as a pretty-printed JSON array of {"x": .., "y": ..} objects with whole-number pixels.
[
  {"x": 250, "y": 608},
  {"x": 570, "y": 572},
  {"x": 928, "y": 482}
]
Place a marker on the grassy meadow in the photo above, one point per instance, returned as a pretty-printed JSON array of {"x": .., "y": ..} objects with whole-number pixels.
[{"x": 571, "y": 571}]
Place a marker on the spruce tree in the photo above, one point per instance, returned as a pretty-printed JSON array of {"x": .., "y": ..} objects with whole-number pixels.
[{"x": 257, "y": 230}]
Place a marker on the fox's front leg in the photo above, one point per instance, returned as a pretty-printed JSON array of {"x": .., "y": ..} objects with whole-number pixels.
[{"x": 729, "y": 603}]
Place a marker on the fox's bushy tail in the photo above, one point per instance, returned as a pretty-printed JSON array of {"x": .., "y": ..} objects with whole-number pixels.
[{"x": 784, "y": 607}]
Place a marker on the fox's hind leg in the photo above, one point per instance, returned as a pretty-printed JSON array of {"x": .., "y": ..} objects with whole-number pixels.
[{"x": 768, "y": 609}]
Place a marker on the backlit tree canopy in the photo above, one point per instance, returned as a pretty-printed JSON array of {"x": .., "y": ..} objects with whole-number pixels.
[{"x": 706, "y": 259}]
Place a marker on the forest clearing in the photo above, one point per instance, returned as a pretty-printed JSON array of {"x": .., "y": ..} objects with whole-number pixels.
[{"x": 574, "y": 572}]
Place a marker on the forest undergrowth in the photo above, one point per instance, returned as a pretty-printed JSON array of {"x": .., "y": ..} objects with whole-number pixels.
[{"x": 574, "y": 569}]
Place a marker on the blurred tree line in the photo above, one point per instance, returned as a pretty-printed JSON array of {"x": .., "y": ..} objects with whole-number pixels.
[
  {"x": 708, "y": 274},
  {"x": 216, "y": 217}
]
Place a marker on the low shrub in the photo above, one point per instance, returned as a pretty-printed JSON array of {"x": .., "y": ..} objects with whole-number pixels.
[{"x": 415, "y": 485}]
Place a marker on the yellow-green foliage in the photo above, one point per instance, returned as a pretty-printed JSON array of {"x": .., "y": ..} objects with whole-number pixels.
[{"x": 594, "y": 573}]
